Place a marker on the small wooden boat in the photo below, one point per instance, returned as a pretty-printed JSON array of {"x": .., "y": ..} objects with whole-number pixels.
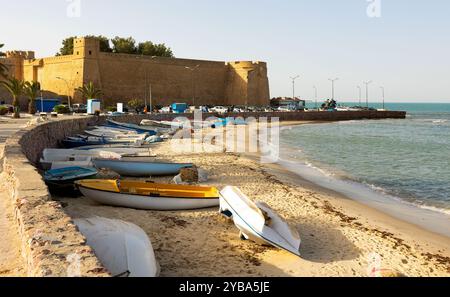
[
  {"x": 137, "y": 128},
  {"x": 74, "y": 142},
  {"x": 123, "y": 151},
  {"x": 80, "y": 161},
  {"x": 148, "y": 195},
  {"x": 258, "y": 222},
  {"x": 141, "y": 169},
  {"x": 115, "y": 136},
  {"x": 51, "y": 155},
  {"x": 68, "y": 174},
  {"x": 123, "y": 248}
]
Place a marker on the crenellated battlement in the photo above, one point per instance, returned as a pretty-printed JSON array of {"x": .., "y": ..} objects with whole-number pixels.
[
  {"x": 24, "y": 55},
  {"x": 122, "y": 77}
]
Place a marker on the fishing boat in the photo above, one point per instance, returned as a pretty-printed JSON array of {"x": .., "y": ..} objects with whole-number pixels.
[
  {"x": 148, "y": 195},
  {"x": 116, "y": 130},
  {"x": 73, "y": 142},
  {"x": 53, "y": 155},
  {"x": 137, "y": 128},
  {"x": 115, "y": 135},
  {"x": 258, "y": 222},
  {"x": 79, "y": 161},
  {"x": 139, "y": 168},
  {"x": 123, "y": 248},
  {"x": 68, "y": 174},
  {"x": 163, "y": 124},
  {"x": 123, "y": 151}
]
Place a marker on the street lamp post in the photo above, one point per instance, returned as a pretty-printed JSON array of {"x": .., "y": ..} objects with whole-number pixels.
[
  {"x": 367, "y": 83},
  {"x": 192, "y": 69},
  {"x": 149, "y": 86},
  {"x": 332, "y": 86},
  {"x": 68, "y": 90},
  {"x": 359, "y": 88},
  {"x": 294, "y": 78},
  {"x": 315, "y": 95},
  {"x": 382, "y": 93}
]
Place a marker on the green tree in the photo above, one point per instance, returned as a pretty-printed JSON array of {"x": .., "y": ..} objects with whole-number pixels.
[
  {"x": 31, "y": 91},
  {"x": 89, "y": 91},
  {"x": 136, "y": 105},
  {"x": 3, "y": 68},
  {"x": 148, "y": 48},
  {"x": 67, "y": 48},
  {"x": 15, "y": 87},
  {"x": 124, "y": 45}
]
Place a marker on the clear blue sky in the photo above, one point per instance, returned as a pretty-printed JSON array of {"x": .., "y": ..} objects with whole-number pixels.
[{"x": 407, "y": 49}]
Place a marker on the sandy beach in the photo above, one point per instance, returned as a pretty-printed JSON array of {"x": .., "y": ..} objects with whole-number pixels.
[{"x": 340, "y": 237}]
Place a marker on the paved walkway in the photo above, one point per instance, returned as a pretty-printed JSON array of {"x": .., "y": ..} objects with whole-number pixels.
[{"x": 11, "y": 261}]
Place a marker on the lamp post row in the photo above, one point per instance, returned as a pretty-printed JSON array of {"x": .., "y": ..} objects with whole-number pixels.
[{"x": 333, "y": 80}]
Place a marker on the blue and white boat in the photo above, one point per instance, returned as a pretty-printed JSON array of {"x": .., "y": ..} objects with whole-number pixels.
[
  {"x": 139, "y": 168},
  {"x": 80, "y": 140},
  {"x": 137, "y": 128},
  {"x": 68, "y": 174}
]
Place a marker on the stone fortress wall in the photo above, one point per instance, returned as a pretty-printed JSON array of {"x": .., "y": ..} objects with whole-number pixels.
[{"x": 123, "y": 77}]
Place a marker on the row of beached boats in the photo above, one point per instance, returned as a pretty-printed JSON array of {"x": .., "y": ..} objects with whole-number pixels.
[{"x": 80, "y": 162}]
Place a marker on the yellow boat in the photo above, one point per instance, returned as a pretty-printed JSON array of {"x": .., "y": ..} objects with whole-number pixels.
[{"x": 148, "y": 195}]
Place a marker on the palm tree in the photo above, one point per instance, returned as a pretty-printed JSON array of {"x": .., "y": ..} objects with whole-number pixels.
[
  {"x": 31, "y": 91},
  {"x": 3, "y": 68},
  {"x": 16, "y": 88},
  {"x": 89, "y": 91}
]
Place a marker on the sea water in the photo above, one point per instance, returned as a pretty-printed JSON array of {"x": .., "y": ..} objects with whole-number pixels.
[{"x": 405, "y": 161}]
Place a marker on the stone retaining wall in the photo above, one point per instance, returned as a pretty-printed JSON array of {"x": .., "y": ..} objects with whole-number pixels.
[{"x": 51, "y": 243}]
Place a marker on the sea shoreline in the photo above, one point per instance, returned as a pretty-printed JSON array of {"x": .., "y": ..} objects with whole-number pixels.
[
  {"x": 340, "y": 236},
  {"x": 428, "y": 218}
]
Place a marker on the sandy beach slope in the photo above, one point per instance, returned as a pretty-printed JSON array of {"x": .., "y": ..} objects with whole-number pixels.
[{"x": 340, "y": 237}]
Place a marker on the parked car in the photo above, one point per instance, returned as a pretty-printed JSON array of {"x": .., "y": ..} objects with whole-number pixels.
[
  {"x": 166, "y": 109},
  {"x": 284, "y": 109},
  {"x": 79, "y": 108}
]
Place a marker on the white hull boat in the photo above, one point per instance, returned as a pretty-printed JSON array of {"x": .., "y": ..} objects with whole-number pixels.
[
  {"x": 258, "y": 222},
  {"x": 51, "y": 155},
  {"x": 62, "y": 164},
  {"x": 115, "y": 136},
  {"x": 148, "y": 196},
  {"x": 147, "y": 202},
  {"x": 123, "y": 151},
  {"x": 123, "y": 248},
  {"x": 65, "y": 162}
]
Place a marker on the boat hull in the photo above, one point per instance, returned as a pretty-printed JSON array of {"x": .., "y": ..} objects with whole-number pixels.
[
  {"x": 136, "y": 128},
  {"x": 140, "y": 169},
  {"x": 69, "y": 174},
  {"x": 250, "y": 220},
  {"x": 147, "y": 202},
  {"x": 123, "y": 248}
]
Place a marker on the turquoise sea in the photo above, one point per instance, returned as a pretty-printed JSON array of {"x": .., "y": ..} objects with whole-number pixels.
[{"x": 403, "y": 160}]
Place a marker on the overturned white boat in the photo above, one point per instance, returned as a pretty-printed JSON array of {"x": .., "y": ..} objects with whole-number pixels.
[
  {"x": 258, "y": 222},
  {"x": 123, "y": 248}
]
